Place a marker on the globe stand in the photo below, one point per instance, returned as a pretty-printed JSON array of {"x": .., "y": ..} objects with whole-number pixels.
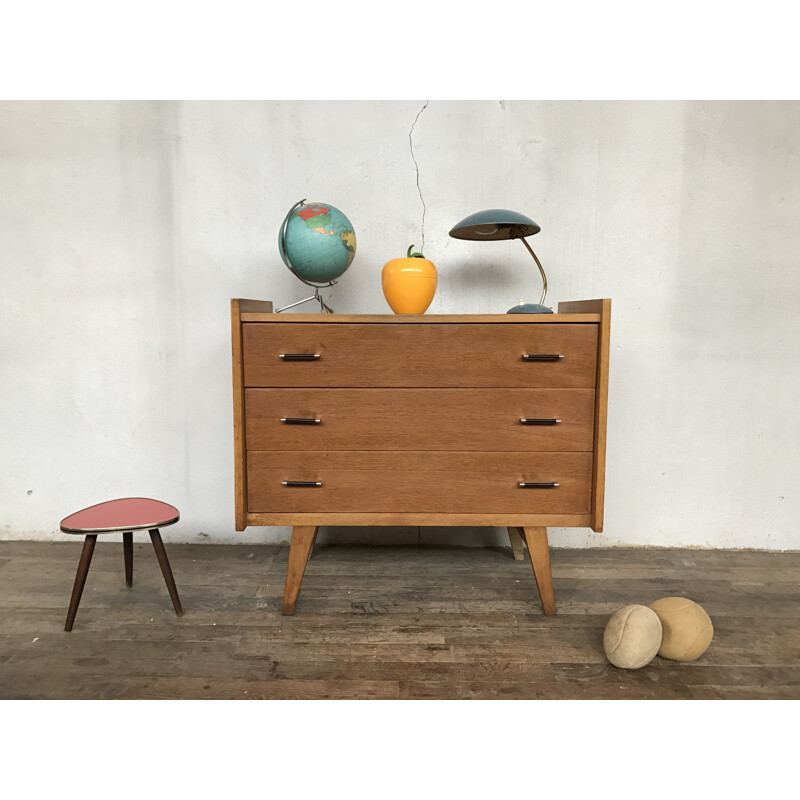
[{"x": 324, "y": 308}]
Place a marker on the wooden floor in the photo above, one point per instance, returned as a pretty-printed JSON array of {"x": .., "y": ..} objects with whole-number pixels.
[{"x": 385, "y": 622}]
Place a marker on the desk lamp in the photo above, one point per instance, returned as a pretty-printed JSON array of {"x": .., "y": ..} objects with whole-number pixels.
[{"x": 500, "y": 223}]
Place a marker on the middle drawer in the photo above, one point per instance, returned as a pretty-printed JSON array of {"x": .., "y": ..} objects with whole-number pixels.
[{"x": 419, "y": 419}]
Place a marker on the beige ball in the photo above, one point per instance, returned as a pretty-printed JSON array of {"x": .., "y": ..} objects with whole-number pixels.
[
  {"x": 632, "y": 637},
  {"x": 687, "y": 629}
]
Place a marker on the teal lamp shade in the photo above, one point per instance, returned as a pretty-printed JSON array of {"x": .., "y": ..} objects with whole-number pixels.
[
  {"x": 493, "y": 224},
  {"x": 500, "y": 223}
]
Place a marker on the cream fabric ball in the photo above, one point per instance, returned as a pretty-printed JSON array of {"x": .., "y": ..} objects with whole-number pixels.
[
  {"x": 687, "y": 629},
  {"x": 632, "y": 637}
]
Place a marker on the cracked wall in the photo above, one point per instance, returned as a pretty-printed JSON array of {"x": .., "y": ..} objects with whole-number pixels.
[{"x": 126, "y": 227}]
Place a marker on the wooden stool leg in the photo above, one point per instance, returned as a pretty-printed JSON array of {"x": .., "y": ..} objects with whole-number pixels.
[
  {"x": 539, "y": 552},
  {"x": 163, "y": 561},
  {"x": 127, "y": 546},
  {"x": 80, "y": 578},
  {"x": 517, "y": 547},
  {"x": 302, "y": 540}
]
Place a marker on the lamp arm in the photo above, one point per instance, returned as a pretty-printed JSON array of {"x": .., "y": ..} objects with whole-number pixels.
[{"x": 538, "y": 264}]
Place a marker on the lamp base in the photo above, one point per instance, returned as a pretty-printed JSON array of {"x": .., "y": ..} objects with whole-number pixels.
[{"x": 529, "y": 308}]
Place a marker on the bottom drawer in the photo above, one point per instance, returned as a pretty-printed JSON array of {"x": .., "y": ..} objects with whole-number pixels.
[{"x": 435, "y": 482}]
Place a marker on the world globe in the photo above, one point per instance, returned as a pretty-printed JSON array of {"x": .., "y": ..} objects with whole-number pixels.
[{"x": 317, "y": 242}]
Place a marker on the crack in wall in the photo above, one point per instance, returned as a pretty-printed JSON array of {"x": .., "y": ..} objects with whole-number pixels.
[{"x": 416, "y": 166}]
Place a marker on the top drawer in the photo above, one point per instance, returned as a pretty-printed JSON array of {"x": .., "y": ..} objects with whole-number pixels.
[{"x": 426, "y": 355}]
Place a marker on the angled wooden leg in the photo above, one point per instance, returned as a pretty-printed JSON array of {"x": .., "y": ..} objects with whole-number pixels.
[
  {"x": 302, "y": 540},
  {"x": 163, "y": 561},
  {"x": 127, "y": 547},
  {"x": 80, "y": 578},
  {"x": 539, "y": 552},
  {"x": 517, "y": 546},
  {"x": 313, "y": 542}
]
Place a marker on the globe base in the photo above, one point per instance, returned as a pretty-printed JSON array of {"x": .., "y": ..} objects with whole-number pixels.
[{"x": 324, "y": 308}]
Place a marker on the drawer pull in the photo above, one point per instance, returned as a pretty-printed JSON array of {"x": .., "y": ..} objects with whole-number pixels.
[
  {"x": 541, "y": 356},
  {"x": 525, "y": 485},
  {"x": 299, "y": 356},
  {"x": 535, "y": 421},
  {"x": 300, "y": 421},
  {"x": 302, "y": 483}
]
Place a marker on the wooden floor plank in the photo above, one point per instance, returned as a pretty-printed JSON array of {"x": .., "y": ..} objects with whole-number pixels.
[{"x": 385, "y": 623}]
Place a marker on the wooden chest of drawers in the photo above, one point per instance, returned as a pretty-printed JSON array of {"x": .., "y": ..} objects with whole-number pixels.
[{"x": 420, "y": 420}]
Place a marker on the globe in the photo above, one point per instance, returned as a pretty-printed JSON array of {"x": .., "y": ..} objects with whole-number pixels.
[{"x": 317, "y": 242}]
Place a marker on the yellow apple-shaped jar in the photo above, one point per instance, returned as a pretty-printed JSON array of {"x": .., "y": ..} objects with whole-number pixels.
[{"x": 409, "y": 283}]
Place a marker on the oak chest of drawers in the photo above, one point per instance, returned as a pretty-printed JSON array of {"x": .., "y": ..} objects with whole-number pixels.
[{"x": 496, "y": 420}]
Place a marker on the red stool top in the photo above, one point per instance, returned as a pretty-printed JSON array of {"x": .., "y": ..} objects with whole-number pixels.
[{"x": 125, "y": 514}]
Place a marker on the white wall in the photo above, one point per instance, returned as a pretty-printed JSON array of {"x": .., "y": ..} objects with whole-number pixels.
[{"x": 125, "y": 227}]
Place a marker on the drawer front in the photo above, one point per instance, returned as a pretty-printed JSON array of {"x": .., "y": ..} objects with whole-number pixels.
[
  {"x": 424, "y": 355},
  {"x": 419, "y": 419},
  {"x": 418, "y": 482}
]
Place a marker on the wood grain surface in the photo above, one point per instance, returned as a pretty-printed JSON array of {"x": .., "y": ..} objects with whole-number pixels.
[
  {"x": 419, "y": 419},
  {"x": 603, "y": 308},
  {"x": 421, "y": 481},
  {"x": 239, "y": 446},
  {"x": 378, "y": 520},
  {"x": 373, "y": 355},
  {"x": 428, "y": 622},
  {"x": 254, "y": 315}
]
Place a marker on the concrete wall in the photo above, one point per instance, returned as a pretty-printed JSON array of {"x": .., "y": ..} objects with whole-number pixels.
[{"x": 125, "y": 227}]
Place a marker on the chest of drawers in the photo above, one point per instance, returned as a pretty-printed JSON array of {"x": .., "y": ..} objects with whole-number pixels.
[{"x": 496, "y": 420}]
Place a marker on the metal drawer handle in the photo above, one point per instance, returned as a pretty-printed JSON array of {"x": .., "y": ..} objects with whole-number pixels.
[
  {"x": 302, "y": 483},
  {"x": 299, "y": 356},
  {"x": 524, "y": 485},
  {"x": 300, "y": 421},
  {"x": 535, "y": 421},
  {"x": 541, "y": 356}
]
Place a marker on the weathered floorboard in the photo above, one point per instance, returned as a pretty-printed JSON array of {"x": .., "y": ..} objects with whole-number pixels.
[{"x": 386, "y": 623}]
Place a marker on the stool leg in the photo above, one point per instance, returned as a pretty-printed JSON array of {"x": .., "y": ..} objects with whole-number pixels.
[
  {"x": 161, "y": 555},
  {"x": 127, "y": 546},
  {"x": 80, "y": 578}
]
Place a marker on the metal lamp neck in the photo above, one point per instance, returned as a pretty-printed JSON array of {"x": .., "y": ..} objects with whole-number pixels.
[{"x": 541, "y": 270}]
